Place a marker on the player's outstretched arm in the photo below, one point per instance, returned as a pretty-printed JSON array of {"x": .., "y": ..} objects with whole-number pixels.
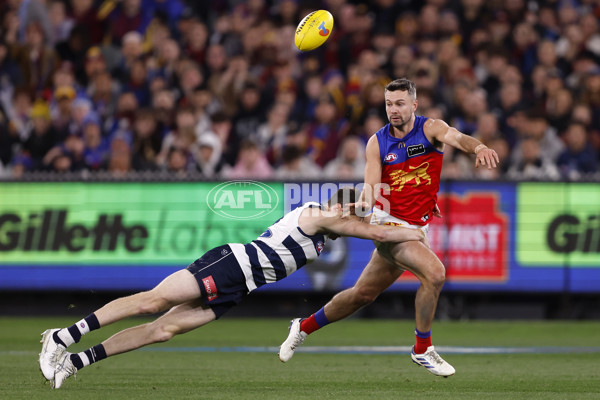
[
  {"x": 440, "y": 131},
  {"x": 352, "y": 226}
]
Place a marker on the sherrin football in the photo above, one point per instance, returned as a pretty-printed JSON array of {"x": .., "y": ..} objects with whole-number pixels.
[{"x": 313, "y": 30}]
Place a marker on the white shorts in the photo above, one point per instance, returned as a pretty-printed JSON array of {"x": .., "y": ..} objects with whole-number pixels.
[{"x": 380, "y": 217}]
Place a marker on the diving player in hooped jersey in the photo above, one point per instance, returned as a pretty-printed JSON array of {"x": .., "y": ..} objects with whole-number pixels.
[
  {"x": 404, "y": 163},
  {"x": 213, "y": 284}
]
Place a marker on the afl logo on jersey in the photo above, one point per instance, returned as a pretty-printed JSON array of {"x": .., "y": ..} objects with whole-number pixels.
[
  {"x": 390, "y": 157},
  {"x": 320, "y": 246}
]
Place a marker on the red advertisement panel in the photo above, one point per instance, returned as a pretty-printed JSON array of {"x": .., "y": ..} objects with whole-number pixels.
[{"x": 471, "y": 239}]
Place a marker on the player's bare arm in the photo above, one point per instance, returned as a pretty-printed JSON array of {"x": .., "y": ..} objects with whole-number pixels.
[
  {"x": 334, "y": 223},
  {"x": 372, "y": 173},
  {"x": 439, "y": 132}
]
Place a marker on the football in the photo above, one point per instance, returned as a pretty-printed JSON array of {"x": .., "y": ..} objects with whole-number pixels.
[{"x": 313, "y": 30}]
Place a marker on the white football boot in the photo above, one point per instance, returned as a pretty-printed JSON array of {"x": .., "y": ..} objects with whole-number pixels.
[
  {"x": 64, "y": 369},
  {"x": 295, "y": 338},
  {"x": 433, "y": 362},
  {"x": 51, "y": 352}
]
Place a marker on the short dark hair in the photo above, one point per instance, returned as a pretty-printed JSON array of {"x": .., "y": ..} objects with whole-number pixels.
[
  {"x": 403, "y": 84},
  {"x": 344, "y": 196}
]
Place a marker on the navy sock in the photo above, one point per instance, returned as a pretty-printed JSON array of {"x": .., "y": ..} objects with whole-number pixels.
[
  {"x": 58, "y": 339},
  {"x": 72, "y": 334},
  {"x": 89, "y": 356}
]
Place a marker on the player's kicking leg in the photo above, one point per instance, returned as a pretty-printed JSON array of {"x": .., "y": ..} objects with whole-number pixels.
[
  {"x": 377, "y": 276},
  {"x": 422, "y": 262},
  {"x": 177, "y": 288}
]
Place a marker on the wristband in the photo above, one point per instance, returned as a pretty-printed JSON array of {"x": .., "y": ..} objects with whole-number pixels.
[{"x": 481, "y": 146}]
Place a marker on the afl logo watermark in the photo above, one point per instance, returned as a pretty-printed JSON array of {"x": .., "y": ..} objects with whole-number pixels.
[
  {"x": 391, "y": 157},
  {"x": 242, "y": 199}
]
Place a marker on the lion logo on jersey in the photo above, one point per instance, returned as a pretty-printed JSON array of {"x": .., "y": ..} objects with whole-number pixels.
[{"x": 417, "y": 174}]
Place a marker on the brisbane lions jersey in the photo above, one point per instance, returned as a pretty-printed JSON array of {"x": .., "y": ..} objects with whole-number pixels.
[{"x": 410, "y": 168}]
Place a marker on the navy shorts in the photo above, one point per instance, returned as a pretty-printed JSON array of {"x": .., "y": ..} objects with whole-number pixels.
[{"x": 221, "y": 280}]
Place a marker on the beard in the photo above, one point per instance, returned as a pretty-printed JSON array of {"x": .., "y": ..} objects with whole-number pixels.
[{"x": 399, "y": 123}]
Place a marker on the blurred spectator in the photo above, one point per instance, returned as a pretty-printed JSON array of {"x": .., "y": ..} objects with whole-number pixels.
[
  {"x": 171, "y": 10},
  {"x": 579, "y": 158},
  {"x": 249, "y": 116},
  {"x": 129, "y": 15},
  {"x": 65, "y": 76},
  {"x": 373, "y": 122},
  {"x": 190, "y": 77},
  {"x": 119, "y": 162},
  {"x": 271, "y": 134},
  {"x": 137, "y": 82},
  {"x": 94, "y": 64},
  {"x": 7, "y": 143},
  {"x": 104, "y": 92},
  {"x": 195, "y": 41},
  {"x": 533, "y": 164},
  {"x": 182, "y": 137},
  {"x": 471, "y": 107},
  {"x": 204, "y": 104},
  {"x": 487, "y": 128},
  {"x": 297, "y": 166},
  {"x": 349, "y": 163},
  {"x": 558, "y": 109},
  {"x": 169, "y": 54},
  {"x": 147, "y": 140},
  {"x": 73, "y": 50},
  {"x": 591, "y": 93},
  {"x": 210, "y": 161},
  {"x": 304, "y": 108},
  {"x": 62, "y": 115},
  {"x": 469, "y": 59},
  {"x": 67, "y": 156},
  {"x": 163, "y": 104},
  {"x": 132, "y": 48},
  {"x": 96, "y": 147},
  {"x": 37, "y": 61},
  {"x": 33, "y": 11},
  {"x": 251, "y": 164},
  {"x": 10, "y": 74},
  {"x": 122, "y": 119},
  {"x": 80, "y": 108},
  {"x": 222, "y": 126},
  {"x": 325, "y": 132},
  {"x": 510, "y": 101},
  {"x": 60, "y": 23},
  {"x": 18, "y": 112},
  {"x": 178, "y": 161},
  {"x": 91, "y": 20},
  {"x": 570, "y": 42},
  {"x": 20, "y": 165},
  {"x": 536, "y": 127},
  {"x": 42, "y": 136}
]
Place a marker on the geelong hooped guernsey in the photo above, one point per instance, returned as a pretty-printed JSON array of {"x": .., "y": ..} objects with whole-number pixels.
[
  {"x": 280, "y": 250},
  {"x": 411, "y": 169}
]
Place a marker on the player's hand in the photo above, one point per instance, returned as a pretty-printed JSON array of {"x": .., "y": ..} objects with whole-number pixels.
[{"x": 486, "y": 157}]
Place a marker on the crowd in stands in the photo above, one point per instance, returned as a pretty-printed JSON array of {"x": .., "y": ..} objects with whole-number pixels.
[{"x": 217, "y": 90}]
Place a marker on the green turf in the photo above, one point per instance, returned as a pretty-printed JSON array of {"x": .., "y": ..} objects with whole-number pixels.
[{"x": 195, "y": 375}]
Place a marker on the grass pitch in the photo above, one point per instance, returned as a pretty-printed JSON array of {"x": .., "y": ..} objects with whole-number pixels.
[{"x": 177, "y": 370}]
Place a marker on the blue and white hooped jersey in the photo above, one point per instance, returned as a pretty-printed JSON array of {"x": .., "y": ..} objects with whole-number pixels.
[{"x": 280, "y": 250}]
